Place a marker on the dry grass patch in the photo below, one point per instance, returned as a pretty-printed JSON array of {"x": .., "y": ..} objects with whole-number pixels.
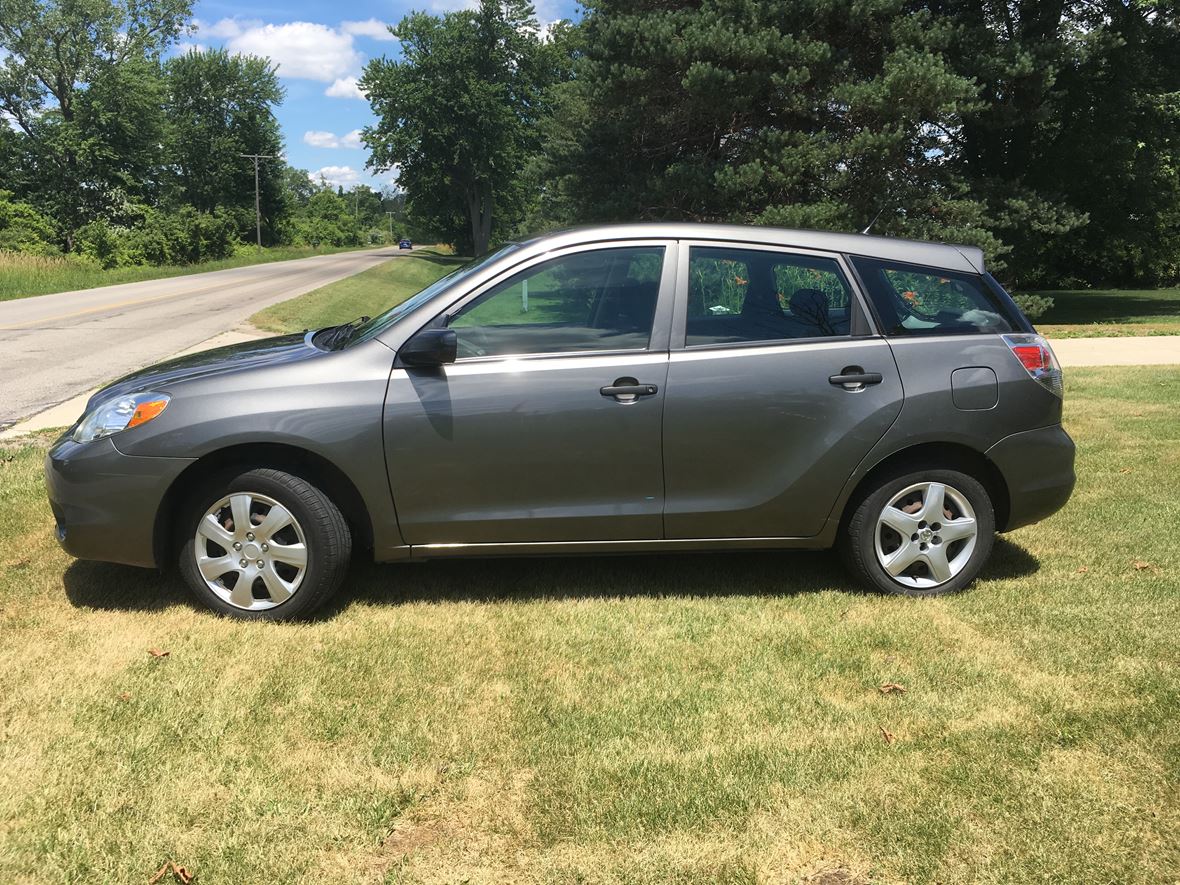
[{"x": 23, "y": 275}]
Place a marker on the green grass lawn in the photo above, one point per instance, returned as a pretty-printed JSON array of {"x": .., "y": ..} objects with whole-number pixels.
[
  {"x": 22, "y": 276},
  {"x": 1111, "y": 312},
  {"x": 707, "y": 718},
  {"x": 369, "y": 293}
]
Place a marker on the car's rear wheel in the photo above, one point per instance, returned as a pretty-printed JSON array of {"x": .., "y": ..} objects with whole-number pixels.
[
  {"x": 920, "y": 533},
  {"x": 264, "y": 545}
]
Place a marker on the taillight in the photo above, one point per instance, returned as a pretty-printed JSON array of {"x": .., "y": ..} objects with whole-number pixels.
[{"x": 1038, "y": 360}]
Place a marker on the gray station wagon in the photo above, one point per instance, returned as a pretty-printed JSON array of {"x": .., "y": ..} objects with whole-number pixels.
[{"x": 607, "y": 390}]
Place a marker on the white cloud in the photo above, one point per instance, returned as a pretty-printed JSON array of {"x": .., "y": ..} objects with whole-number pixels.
[
  {"x": 320, "y": 139},
  {"x": 184, "y": 48},
  {"x": 370, "y": 27},
  {"x": 304, "y": 50},
  {"x": 345, "y": 87},
  {"x": 337, "y": 176}
]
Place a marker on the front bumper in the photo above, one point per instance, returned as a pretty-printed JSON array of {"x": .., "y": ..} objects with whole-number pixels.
[
  {"x": 105, "y": 503},
  {"x": 1037, "y": 466}
]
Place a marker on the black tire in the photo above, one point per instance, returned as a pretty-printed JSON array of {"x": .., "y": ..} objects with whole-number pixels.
[
  {"x": 858, "y": 539},
  {"x": 325, "y": 538}
]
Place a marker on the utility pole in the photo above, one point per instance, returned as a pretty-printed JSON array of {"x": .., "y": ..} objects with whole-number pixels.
[
  {"x": 257, "y": 205},
  {"x": 390, "y": 214}
]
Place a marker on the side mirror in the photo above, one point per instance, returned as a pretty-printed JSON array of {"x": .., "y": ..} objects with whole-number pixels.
[{"x": 430, "y": 347}]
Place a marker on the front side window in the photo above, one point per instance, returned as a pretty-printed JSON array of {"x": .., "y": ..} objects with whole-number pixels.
[
  {"x": 380, "y": 323},
  {"x": 588, "y": 301},
  {"x": 915, "y": 300},
  {"x": 737, "y": 295}
]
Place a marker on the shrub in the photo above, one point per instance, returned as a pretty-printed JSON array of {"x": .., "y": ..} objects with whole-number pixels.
[
  {"x": 24, "y": 229},
  {"x": 1033, "y": 306},
  {"x": 183, "y": 236},
  {"x": 107, "y": 244}
]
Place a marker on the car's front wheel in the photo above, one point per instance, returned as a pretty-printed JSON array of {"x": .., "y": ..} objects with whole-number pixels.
[
  {"x": 920, "y": 533},
  {"x": 264, "y": 544}
]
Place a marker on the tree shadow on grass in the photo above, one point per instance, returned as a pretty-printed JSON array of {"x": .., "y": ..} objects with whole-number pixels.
[
  {"x": 689, "y": 575},
  {"x": 1107, "y": 307}
]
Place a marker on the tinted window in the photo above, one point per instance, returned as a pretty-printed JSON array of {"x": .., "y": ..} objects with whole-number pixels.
[
  {"x": 600, "y": 300},
  {"x": 739, "y": 295},
  {"x": 919, "y": 301}
]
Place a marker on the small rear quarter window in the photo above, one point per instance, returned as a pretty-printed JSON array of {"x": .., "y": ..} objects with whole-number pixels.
[{"x": 912, "y": 300}]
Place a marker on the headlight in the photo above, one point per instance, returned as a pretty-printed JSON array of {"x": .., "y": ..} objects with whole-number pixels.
[{"x": 120, "y": 414}]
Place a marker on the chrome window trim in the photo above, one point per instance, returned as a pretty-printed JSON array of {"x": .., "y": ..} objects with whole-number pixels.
[
  {"x": 769, "y": 348},
  {"x": 547, "y": 362}
]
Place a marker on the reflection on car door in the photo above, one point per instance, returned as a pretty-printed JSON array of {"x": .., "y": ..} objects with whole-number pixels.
[
  {"x": 775, "y": 393},
  {"x": 547, "y": 428}
]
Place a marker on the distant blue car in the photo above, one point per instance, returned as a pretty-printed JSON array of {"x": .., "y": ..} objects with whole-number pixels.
[{"x": 405, "y": 244}]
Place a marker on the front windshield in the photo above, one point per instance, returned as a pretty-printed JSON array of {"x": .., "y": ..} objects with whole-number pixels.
[{"x": 380, "y": 323}]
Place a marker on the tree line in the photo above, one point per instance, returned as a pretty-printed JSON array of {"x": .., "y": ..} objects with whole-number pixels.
[
  {"x": 1045, "y": 131},
  {"x": 111, "y": 151}
]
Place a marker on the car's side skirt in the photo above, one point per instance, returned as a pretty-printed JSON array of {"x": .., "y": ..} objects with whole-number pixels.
[{"x": 561, "y": 548}]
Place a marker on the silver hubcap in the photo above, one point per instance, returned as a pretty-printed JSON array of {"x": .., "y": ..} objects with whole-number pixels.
[
  {"x": 926, "y": 535},
  {"x": 251, "y": 551}
]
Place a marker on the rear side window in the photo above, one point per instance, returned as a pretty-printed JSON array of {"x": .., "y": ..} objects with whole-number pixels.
[
  {"x": 913, "y": 300},
  {"x": 739, "y": 295}
]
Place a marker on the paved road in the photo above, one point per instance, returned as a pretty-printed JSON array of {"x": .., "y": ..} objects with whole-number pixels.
[{"x": 53, "y": 347}]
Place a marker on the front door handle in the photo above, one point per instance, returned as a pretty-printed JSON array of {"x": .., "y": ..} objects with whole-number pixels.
[
  {"x": 627, "y": 390},
  {"x": 855, "y": 378}
]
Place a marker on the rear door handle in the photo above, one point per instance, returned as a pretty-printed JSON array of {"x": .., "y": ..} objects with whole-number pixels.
[{"x": 855, "y": 378}]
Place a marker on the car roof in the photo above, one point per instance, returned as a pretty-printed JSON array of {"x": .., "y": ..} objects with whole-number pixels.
[{"x": 968, "y": 259}]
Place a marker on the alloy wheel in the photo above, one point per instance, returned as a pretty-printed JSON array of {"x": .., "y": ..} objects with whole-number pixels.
[
  {"x": 925, "y": 535},
  {"x": 250, "y": 550}
]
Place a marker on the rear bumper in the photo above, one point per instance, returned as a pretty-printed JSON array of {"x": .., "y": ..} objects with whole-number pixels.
[
  {"x": 104, "y": 502},
  {"x": 1037, "y": 466}
]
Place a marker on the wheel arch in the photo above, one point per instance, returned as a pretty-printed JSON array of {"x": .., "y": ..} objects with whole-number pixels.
[
  {"x": 954, "y": 456},
  {"x": 316, "y": 469}
]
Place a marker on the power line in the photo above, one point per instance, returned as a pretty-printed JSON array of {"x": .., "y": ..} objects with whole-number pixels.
[{"x": 257, "y": 206}]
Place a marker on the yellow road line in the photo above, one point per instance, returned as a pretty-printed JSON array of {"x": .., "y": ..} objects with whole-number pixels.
[{"x": 102, "y": 307}]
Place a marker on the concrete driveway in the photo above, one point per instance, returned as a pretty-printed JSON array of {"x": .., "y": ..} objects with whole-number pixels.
[
  {"x": 53, "y": 347},
  {"x": 1138, "y": 350}
]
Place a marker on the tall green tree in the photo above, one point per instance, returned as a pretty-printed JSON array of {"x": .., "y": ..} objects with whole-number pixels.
[
  {"x": 458, "y": 114},
  {"x": 810, "y": 113},
  {"x": 1046, "y": 132},
  {"x": 56, "y": 52},
  {"x": 219, "y": 107},
  {"x": 1076, "y": 142}
]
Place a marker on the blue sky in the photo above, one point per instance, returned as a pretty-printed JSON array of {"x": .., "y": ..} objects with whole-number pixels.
[{"x": 320, "y": 50}]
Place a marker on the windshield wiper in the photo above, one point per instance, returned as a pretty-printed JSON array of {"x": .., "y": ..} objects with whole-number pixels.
[{"x": 335, "y": 337}]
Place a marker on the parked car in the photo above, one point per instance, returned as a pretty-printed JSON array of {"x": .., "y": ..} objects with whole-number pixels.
[
  {"x": 607, "y": 390},
  {"x": 405, "y": 244}
]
